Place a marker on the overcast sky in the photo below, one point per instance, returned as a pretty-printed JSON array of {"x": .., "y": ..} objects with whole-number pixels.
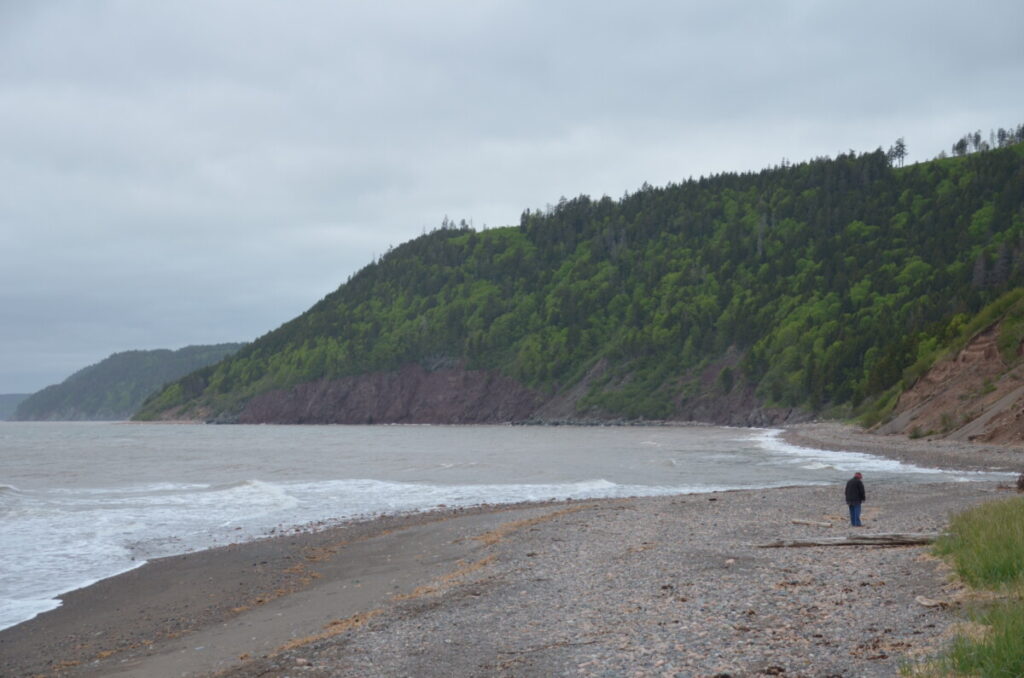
[{"x": 177, "y": 173}]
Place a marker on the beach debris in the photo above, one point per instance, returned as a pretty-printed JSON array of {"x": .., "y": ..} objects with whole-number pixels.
[
  {"x": 644, "y": 546},
  {"x": 812, "y": 523},
  {"x": 498, "y": 534},
  {"x": 928, "y": 602},
  {"x": 333, "y": 628},
  {"x": 879, "y": 539}
]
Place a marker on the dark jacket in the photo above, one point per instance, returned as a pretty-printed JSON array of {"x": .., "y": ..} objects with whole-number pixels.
[{"x": 855, "y": 491}]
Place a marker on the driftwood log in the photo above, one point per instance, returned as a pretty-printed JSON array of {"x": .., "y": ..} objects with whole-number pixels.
[
  {"x": 878, "y": 539},
  {"x": 812, "y": 523}
]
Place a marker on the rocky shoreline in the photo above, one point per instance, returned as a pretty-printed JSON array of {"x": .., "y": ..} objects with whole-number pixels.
[{"x": 665, "y": 586}]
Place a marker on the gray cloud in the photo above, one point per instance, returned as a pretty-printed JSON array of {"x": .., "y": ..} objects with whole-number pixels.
[{"x": 197, "y": 172}]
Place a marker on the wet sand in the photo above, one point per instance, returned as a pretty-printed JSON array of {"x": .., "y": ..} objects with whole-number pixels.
[
  {"x": 242, "y": 600},
  {"x": 655, "y": 586}
]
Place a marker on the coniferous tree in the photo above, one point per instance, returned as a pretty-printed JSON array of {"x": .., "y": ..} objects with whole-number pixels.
[{"x": 900, "y": 150}]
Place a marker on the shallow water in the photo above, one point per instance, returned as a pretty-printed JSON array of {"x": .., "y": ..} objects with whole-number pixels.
[{"x": 84, "y": 501}]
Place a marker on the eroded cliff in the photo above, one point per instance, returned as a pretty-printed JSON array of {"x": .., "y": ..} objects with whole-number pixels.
[
  {"x": 974, "y": 395},
  {"x": 454, "y": 395}
]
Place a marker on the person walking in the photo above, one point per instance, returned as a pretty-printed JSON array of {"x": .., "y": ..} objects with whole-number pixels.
[{"x": 855, "y": 496}]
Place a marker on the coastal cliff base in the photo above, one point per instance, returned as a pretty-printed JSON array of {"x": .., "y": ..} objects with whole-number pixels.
[
  {"x": 455, "y": 395},
  {"x": 412, "y": 395}
]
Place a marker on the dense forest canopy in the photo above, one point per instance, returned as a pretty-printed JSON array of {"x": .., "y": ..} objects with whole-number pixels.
[{"x": 813, "y": 285}]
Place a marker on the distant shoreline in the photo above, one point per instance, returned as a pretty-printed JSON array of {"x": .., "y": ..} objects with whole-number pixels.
[
  {"x": 686, "y": 565},
  {"x": 937, "y": 453}
]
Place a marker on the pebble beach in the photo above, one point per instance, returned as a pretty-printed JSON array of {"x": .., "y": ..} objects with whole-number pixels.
[{"x": 662, "y": 586}]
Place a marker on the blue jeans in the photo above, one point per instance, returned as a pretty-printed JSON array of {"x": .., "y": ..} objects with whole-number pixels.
[{"x": 855, "y": 515}]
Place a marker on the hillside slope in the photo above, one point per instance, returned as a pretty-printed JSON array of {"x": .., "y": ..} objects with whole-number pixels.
[
  {"x": 975, "y": 393},
  {"x": 114, "y": 389},
  {"x": 741, "y": 298}
]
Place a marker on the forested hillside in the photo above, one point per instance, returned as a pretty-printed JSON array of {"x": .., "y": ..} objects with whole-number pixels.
[
  {"x": 801, "y": 289},
  {"x": 114, "y": 388}
]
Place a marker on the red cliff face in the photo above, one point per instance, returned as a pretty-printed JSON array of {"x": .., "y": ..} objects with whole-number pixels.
[
  {"x": 415, "y": 395},
  {"x": 411, "y": 395}
]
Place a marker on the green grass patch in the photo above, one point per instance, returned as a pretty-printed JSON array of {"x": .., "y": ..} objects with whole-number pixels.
[
  {"x": 878, "y": 410},
  {"x": 986, "y": 547},
  {"x": 999, "y": 652},
  {"x": 986, "y": 544},
  {"x": 1012, "y": 334}
]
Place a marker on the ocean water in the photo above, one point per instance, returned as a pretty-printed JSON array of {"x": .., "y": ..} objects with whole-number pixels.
[{"x": 80, "y": 502}]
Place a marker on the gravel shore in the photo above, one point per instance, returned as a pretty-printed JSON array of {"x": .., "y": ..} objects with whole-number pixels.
[
  {"x": 930, "y": 452},
  {"x": 671, "y": 587},
  {"x": 667, "y": 586}
]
